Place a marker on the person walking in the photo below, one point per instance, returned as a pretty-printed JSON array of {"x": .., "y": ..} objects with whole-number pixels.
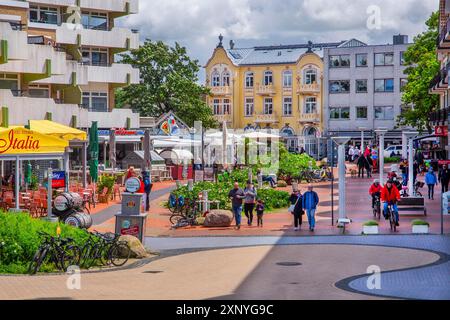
[
  {"x": 369, "y": 165},
  {"x": 237, "y": 195},
  {"x": 351, "y": 153},
  {"x": 296, "y": 209},
  {"x": 310, "y": 201},
  {"x": 260, "y": 212},
  {"x": 404, "y": 166},
  {"x": 444, "y": 178},
  {"x": 362, "y": 165},
  {"x": 249, "y": 202},
  {"x": 431, "y": 181}
]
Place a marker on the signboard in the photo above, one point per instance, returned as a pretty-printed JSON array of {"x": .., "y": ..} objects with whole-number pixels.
[
  {"x": 122, "y": 132},
  {"x": 58, "y": 179},
  {"x": 208, "y": 174},
  {"x": 441, "y": 131},
  {"x": 132, "y": 185},
  {"x": 23, "y": 141},
  {"x": 132, "y": 231},
  {"x": 199, "y": 175}
]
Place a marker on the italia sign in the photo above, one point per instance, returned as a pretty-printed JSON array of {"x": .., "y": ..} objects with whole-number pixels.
[
  {"x": 23, "y": 141},
  {"x": 18, "y": 143}
]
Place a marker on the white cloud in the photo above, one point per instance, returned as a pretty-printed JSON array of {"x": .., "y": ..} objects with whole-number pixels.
[{"x": 197, "y": 23}]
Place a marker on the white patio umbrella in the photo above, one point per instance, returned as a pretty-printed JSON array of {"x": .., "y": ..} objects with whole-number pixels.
[
  {"x": 260, "y": 135},
  {"x": 224, "y": 143}
]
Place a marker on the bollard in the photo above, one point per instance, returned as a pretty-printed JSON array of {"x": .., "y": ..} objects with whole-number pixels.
[
  {"x": 205, "y": 202},
  {"x": 190, "y": 184},
  {"x": 50, "y": 216},
  {"x": 250, "y": 174},
  {"x": 260, "y": 181}
]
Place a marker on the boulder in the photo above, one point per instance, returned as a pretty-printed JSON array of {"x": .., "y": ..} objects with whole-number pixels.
[
  {"x": 138, "y": 251},
  {"x": 219, "y": 218}
]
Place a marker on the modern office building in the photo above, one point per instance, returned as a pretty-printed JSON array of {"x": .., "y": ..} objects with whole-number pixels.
[
  {"x": 440, "y": 118},
  {"x": 57, "y": 61},
  {"x": 278, "y": 87},
  {"x": 362, "y": 89}
]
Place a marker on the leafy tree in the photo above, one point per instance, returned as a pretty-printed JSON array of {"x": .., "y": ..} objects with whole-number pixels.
[
  {"x": 169, "y": 82},
  {"x": 422, "y": 66}
]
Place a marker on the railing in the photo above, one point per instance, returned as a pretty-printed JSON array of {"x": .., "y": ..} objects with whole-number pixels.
[
  {"x": 266, "y": 89},
  {"x": 266, "y": 118},
  {"x": 16, "y": 26},
  {"x": 19, "y": 93},
  {"x": 443, "y": 33},
  {"x": 314, "y": 87},
  {"x": 223, "y": 118},
  {"x": 96, "y": 64},
  {"x": 225, "y": 90},
  {"x": 310, "y": 117}
]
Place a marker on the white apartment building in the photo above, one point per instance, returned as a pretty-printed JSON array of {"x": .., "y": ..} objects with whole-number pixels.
[
  {"x": 57, "y": 61},
  {"x": 362, "y": 89}
]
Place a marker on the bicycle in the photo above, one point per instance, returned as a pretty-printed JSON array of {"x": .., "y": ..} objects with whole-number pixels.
[
  {"x": 189, "y": 210},
  {"x": 175, "y": 204},
  {"x": 390, "y": 214},
  {"x": 62, "y": 252}
]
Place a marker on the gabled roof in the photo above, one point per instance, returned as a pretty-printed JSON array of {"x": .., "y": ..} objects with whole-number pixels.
[{"x": 352, "y": 43}]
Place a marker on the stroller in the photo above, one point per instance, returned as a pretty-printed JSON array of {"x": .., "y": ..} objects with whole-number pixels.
[{"x": 417, "y": 186}]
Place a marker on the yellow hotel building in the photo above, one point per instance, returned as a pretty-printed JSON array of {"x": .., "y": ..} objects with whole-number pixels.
[{"x": 277, "y": 87}]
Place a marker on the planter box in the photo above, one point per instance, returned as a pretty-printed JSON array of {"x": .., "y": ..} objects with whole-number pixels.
[
  {"x": 420, "y": 229},
  {"x": 370, "y": 230}
]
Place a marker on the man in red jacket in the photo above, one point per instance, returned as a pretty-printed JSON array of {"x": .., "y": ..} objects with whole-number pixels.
[
  {"x": 391, "y": 196},
  {"x": 375, "y": 190}
]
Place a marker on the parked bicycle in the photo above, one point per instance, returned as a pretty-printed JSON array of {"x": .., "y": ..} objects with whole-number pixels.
[
  {"x": 63, "y": 253},
  {"x": 321, "y": 175}
]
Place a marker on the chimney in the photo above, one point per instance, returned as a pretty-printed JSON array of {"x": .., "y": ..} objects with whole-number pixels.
[{"x": 400, "y": 39}]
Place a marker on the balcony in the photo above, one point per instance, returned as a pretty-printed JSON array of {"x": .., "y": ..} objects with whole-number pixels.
[
  {"x": 117, "y": 38},
  {"x": 310, "y": 118},
  {"x": 439, "y": 84},
  {"x": 117, "y": 118},
  {"x": 117, "y": 73},
  {"x": 264, "y": 90},
  {"x": 221, "y": 91},
  {"x": 221, "y": 118},
  {"x": 443, "y": 41},
  {"x": 309, "y": 89},
  {"x": 13, "y": 42},
  {"x": 266, "y": 118},
  {"x": 122, "y": 7},
  {"x": 440, "y": 116}
]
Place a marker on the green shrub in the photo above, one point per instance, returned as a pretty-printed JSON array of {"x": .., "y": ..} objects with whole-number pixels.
[
  {"x": 19, "y": 240},
  {"x": 420, "y": 223},
  {"x": 371, "y": 223},
  {"x": 392, "y": 160}
]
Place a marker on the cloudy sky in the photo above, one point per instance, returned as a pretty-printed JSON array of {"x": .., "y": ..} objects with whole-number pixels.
[{"x": 196, "y": 24}]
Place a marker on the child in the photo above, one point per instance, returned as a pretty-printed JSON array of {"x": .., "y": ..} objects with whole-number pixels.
[{"x": 260, "y": 212}]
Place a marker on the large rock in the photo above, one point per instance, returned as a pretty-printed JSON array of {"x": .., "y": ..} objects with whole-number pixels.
[
  {"x": 138, "y": 251},
  {"x": 219, "y": 218}
]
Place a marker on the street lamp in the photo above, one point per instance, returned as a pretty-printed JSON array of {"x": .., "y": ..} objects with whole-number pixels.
[
  {"x": 381, "y": 133},
  {"x": 410, "y": 136},
  {"x": 362, "y": 129},
  {"x": 341, "y": 142}
]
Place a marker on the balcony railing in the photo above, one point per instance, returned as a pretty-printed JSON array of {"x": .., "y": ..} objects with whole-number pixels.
[
  {"x": 224, "y": 118},
  {"x": 309, "y": 88},
  {"x": 224, "y": 90},
  {"x": 266, "y": 89},
  {"x": 440, "y": 115},
  {"x": 443, "y": 34},
  {"x": 266, "y": 118},
  {"x": 310, "y": 117}
]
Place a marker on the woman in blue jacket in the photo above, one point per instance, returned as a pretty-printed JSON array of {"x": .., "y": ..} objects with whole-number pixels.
[
  {"x": 431, "y": 180},
  {"x": 310, "y": 203}
]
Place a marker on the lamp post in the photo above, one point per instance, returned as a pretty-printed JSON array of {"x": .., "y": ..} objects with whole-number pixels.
[
  {"x": 381, "y": 134},
  {"x": 362, "y": 129},
  {"x": 341, "y": 142},
  {"x": 410, "y": 136}
]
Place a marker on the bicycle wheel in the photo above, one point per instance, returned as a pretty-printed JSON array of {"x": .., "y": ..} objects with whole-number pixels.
[
  {"x": 37, "y": 260},
  {"x": 175, "y": 218},
  {"x": 119, "y": 254},
  {"x": 70, "y": 257}
]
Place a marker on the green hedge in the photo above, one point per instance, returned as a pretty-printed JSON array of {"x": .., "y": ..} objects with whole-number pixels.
[
  {"x": 392, "y": 160},
  {"x": 19, "y": 240}
]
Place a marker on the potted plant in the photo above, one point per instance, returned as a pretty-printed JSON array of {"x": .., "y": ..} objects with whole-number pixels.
[
  {"x": 370, "y": 227},
  {"x": 420, "y": 227}
]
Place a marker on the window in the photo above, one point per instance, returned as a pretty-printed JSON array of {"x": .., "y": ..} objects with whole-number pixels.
[
  {"x": 310, "y": 76},
  {"x": 310, "y": 105},
  {"x": 226, "y": 79},
  {"x": 340, "y": 61},
  {"x": 268, "y": 106},
  {"x": 403, "y": 83},
  {"x": 95, "y": 101},
  {"x": 95, "y": 56},
  {"x": 215, "y": 79},
  {"x": 340, "y": 113},
  {"x": 287, "y": 106},
  {"x": 384, "y": 85},
  {"x": 361, "y": 60},
  {"x": 44, "y": 14},
  {"x": 340, "y": 86},
  {"x": 10, "y": 82},
  {"x": 249, "y": 79},
  {"x": 226, "y": 106},
  {"x": 216, "y": 107},
  {"x": 361, "y": 112},
  {"x": 287, "y": 79},
  {"x": 94, "y": 20},
  {"x": 249, "y": 107},
  {"x": 402, "y": 58},
  {"x": 268, "y": 78},
  {"x": 361, "y": 86},
  {"x": 39, "y": 91},
  {"x": 384, "y": 113},
  {"x": 384, "y": 59}
]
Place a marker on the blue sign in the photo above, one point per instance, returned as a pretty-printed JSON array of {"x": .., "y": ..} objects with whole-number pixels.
[{"x": 58, "y": 179}]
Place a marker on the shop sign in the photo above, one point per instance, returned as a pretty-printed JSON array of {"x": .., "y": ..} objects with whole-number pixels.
[
  {"x": 441, "y": 131},
  {"x": 122, "y": 132},
  {"x": 18, "y": 142},
  {"x": 58, "y": 179},
  {"x": 132, "y": 185},
  {"x": 132, "y": 231}
]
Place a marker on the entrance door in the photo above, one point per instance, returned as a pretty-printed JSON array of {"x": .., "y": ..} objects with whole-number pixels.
[{"x": 311, "y": 142}]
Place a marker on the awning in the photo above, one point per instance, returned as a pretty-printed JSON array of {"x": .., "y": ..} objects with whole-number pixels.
[
  {"x": 177, "y": 156},
  {"x": 57, "y": 130},
  {"x": 21, "y": 141}
]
